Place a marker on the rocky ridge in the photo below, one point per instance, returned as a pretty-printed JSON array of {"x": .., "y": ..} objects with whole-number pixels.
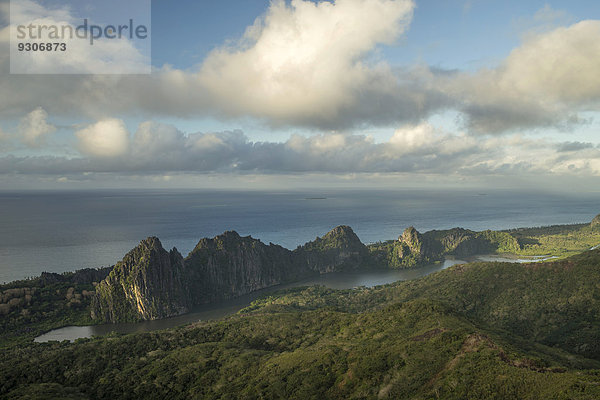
[{"x": 151, "y": 282}]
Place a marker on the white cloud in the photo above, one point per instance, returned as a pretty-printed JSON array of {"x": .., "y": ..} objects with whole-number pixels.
[
  {"x": 304, "y": 59},
  {"x": 303, "y": 63},
  {"x": 561, "y": 65},
  {"x": 545, "y": 81},
  {"x": 33, "y": 128},
  {"x": 307, "y": 64},
  {"x": 105, "y": 139},
  {"x": 410, "y": 138},
  {"x": 419, "y": 150}
]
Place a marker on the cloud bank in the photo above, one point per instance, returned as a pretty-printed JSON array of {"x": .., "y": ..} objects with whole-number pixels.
[
  {"x": 156, "y": 148},
  {"x": 314, "y": 65},
  {"x": 301, "y": 64}
]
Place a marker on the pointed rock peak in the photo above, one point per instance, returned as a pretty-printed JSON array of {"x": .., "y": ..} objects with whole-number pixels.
[
  {"x": 147, "y": 248},
  {"x": 342, "y": 235},
  {"x": 596, "y": 221},
  {"x": 342, "y": 230},
  {"x": 410, "y": 234},
  {"x": 151, "y": 242},
  {"x": 229, "y": 235},
  {"x": 228, "y": 239}
]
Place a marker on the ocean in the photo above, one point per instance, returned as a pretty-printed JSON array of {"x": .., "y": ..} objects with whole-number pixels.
[{"x": 68, "y": 230}]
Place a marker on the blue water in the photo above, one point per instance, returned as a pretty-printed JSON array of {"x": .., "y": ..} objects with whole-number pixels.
[{"x": 64, "y": 231}]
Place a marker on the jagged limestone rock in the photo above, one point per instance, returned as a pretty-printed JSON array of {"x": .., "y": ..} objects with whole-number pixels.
[
  {"x": 149, "y": 283},
  {"x": 229, "y": 266},
  {"x": 338, "y": 250}
]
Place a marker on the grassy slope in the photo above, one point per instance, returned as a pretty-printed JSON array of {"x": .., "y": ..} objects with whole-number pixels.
[
  {"x": 558, "y": 240},
  {"x": 478, "y": 331}
]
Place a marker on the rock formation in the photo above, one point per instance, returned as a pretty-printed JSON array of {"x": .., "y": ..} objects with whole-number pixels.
[
  {"x": 149, "y": 283},
  {"x": 229, "y": 265},
  {"x": 338, "y": 250}
]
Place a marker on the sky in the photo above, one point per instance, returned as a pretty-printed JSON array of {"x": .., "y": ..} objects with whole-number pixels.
[{"x": 288, "y": 94}]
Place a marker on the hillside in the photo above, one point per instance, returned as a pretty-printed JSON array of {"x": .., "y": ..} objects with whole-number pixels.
[{"x": 475, "y": 331}]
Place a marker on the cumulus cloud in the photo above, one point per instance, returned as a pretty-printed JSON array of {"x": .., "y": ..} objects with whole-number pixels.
[
  {"x": 561, "y": 65},
  {"x": 545, "y": 81},
  {"x": 305, "y": 59},
  {"x": 105, "y": 139},
  {"x": 304, "y": 63},
  {"x": 308, "y": 64},
  {"x": 34, "y": 128}
]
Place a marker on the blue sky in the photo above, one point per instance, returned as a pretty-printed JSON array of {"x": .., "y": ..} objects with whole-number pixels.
[
  {"x": 450, "y": 34},
  {"x": 463, "y": 34},
  {"x": 358, "y": 92}
]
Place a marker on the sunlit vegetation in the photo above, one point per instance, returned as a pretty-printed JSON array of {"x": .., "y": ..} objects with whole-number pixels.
[{"x": 559, "y": 240}]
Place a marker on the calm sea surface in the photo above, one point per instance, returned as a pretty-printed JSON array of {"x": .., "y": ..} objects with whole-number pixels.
[{"x": 64, "y": 231}]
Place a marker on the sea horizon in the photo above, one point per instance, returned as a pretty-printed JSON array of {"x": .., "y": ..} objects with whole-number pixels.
[{"x": 61, "y": 231}]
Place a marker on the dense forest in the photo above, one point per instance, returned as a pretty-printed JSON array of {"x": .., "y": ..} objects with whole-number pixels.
[{"x": 473, "y": 331}]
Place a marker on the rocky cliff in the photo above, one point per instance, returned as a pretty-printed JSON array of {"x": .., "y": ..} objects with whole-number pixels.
[
  {"x": 413, "y": 248},
  {"x": 229, "y": 265},
  {"x": 149, "y": 283},
  {"x": 464, "y": 242},
  {"x": 338, "y": 250}
]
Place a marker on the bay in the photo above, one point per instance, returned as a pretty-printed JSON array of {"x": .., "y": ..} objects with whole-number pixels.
[{"x": 335, "y": 280}]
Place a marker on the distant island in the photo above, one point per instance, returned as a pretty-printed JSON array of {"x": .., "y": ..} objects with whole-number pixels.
[{"x": 515, "y": 330}]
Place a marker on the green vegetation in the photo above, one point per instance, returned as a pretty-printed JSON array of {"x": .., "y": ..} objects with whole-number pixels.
[
  {"x": 31, "y": 307},
  {"x": 475, "y": 331},
  {"x": 559, "y": 240},
  {"x": 414, "y": 249},
  {"x": 28, "y": 309}
]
